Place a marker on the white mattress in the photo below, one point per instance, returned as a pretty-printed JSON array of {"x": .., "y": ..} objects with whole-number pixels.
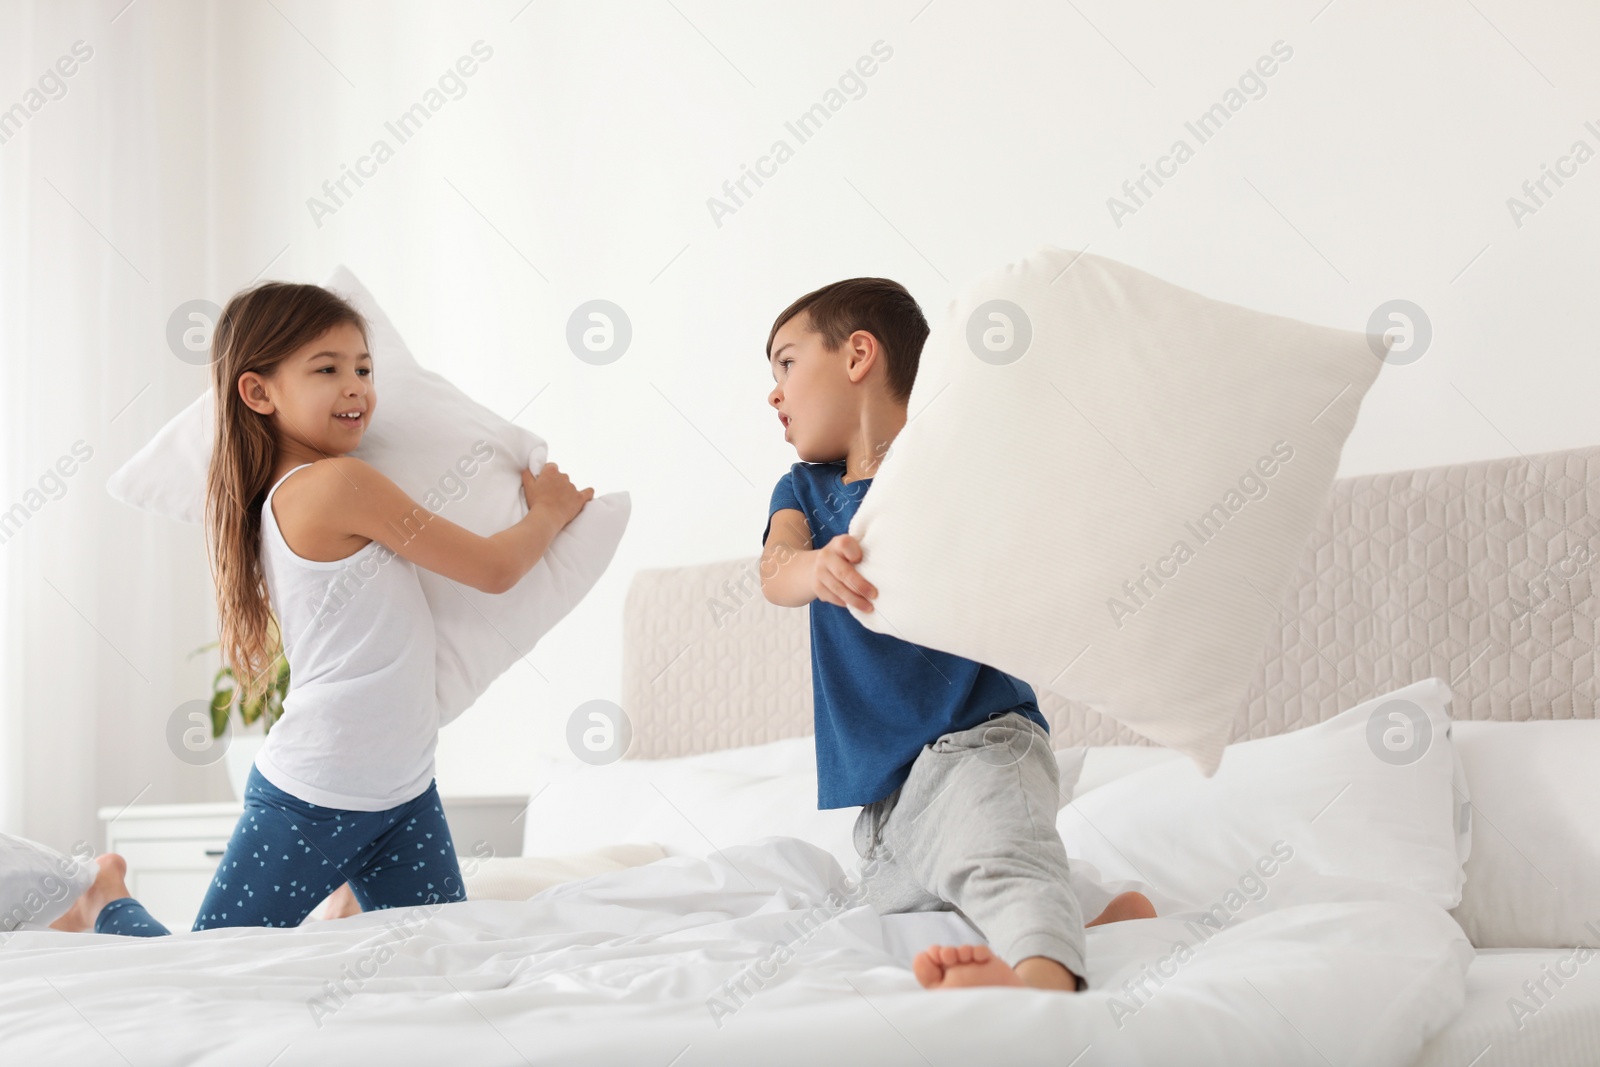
[
  {"x": 628, "y": 967},
  {"x": 1495, "y": 1028}
]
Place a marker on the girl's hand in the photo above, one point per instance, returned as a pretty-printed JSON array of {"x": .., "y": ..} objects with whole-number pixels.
[{"x": 553, "y": 492}]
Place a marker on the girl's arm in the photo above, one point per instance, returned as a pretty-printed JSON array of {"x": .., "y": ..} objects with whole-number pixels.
[{"x": 361, "y": 500}]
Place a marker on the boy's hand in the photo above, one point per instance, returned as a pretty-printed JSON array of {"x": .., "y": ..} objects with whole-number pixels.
[
  {"x": 834, "y": 577},
  {"x": 552, "y": 490}
]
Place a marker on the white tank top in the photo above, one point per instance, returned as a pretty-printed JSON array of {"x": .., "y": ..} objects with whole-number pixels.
[{"x": 360, "y": 720}]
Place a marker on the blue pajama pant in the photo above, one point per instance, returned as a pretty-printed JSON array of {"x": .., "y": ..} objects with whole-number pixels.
[{"x": 286, "y": 855}]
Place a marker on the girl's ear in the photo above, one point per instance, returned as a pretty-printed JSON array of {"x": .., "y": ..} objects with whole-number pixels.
[
  {"x": 863, "y": 352},
  {"x": 252, "y": 391}
]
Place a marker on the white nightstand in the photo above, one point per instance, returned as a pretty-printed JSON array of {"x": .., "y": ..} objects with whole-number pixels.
[{"x": 173, "y": 849}]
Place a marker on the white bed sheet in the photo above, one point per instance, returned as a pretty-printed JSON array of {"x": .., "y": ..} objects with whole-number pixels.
[
  {"x": 628, "y": 967},
  {"x": 1505, "y": 1024}
]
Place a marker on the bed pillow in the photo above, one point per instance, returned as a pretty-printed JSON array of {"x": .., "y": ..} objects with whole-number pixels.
[
  {"x": 696, "y": 805},
  {"x": 456, "y": 458},
  {"x": 1110, "y": 494},
  {"x": 1533, "y": 879},
  {"x": 1069, "y": 770},
  {"x": 1103, "y": 764},
  {"x": 1370, "y": 795},
  {"x": 523, "y": 877},
  {"x": 690, "y": 805},
  {"x": 38, "y": 884}
]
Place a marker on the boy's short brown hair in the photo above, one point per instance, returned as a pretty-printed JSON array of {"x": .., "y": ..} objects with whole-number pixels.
[{"x": 879, "y": 306}]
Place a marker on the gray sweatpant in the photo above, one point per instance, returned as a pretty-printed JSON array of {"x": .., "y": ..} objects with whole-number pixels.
[{"x": 973, "y": 829}]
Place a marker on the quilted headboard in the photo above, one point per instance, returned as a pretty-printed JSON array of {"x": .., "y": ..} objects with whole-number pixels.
[{"x": 1479, "y": 573}]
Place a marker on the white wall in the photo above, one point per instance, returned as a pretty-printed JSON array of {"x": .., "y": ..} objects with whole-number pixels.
[{"x": 1377, "y": 165}]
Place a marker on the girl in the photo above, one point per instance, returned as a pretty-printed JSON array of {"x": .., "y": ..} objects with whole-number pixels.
[{"x": 343, "y": 789}]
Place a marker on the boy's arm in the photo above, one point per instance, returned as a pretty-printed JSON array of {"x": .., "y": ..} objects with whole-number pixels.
[
  {"x": 785, "y": 579},
  {"x": 793, "y": 574}
]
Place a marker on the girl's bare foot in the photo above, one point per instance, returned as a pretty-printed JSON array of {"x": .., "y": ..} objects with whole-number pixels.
[
  {"x": 108, "y": 885},
  {"x": 1125, "y": 906}
]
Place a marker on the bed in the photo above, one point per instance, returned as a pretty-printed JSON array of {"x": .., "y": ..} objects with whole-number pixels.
[{"x": 735, "y": 947}]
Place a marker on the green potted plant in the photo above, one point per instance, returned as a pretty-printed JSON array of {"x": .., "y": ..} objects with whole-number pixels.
[{"x": 265, "y": 709}]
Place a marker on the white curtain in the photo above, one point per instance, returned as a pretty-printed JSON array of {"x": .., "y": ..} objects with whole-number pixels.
[
  {"x": 174, "y": 163},
  {"x": 103, "y": 232}
]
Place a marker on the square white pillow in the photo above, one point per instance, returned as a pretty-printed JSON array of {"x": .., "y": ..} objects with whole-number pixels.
[
  {"x": 456, "y": 458},
  {"x": 1370, "y": 795},
  {"x": 1533, "y": 879},
  {"x": 1111, "y": 494},
  {"x": 38, "y": 884}
]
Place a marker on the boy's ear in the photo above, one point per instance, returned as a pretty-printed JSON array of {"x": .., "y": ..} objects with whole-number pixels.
[{"x": 863, "y": 353}]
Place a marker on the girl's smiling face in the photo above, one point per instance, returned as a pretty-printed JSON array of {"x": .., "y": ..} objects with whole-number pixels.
[{"x": 320, "y": 397}]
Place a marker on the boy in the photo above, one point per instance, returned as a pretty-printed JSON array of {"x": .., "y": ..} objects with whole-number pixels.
[{"x": 950, "y": 759}]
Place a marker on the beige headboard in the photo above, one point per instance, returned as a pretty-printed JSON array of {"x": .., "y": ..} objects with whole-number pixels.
[{"x": 1479, "y": 573}]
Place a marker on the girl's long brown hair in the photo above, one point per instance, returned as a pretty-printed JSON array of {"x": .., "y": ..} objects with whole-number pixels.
[{"x": 258, "y": 329}]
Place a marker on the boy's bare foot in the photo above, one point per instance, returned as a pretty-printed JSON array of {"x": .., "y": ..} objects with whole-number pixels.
[
  {"x": 1125, "y": 906},
  {"x": 966, "y": 966},
  {"x": 958, "y": 966},
  {"x": 108, "y": 885}
]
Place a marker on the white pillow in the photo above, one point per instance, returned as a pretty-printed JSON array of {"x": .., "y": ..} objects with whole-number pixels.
[
  {"x": 456, "y": 458},
  {"x": 1069, "y": 769},
  {"x": 1107, "y": 763},
  {"x": 1369, "y": 794},
  {"x": 1094, "y": 416},
  {"x": 690, "y": 805},
  {"x": 38, "y": 884},
  {"x": 1533, "y": 879},
  {"x": 695, "y": 805},
  {"x": 523, "y": 877},
  {"x": 792, "y": 755}
]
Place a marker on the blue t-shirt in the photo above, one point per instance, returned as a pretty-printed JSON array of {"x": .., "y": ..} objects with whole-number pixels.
[{"x": 879, "y": 699}]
